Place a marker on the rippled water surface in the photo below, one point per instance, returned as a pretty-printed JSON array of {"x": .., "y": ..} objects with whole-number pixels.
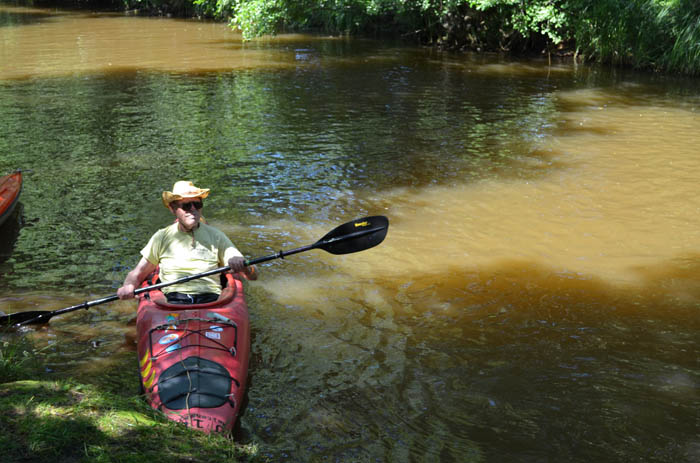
[{"x": 536, "y": 298}]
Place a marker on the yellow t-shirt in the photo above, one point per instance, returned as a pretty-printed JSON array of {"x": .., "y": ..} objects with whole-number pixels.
[{"x": 180, "y": 254}]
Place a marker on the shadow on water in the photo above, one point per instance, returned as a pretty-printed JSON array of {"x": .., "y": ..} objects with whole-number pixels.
[
  {"x": 642, "y": 93},
  {"x": 666, "y": 290},
  {"x": 9, "y": 232},
  {"x": 23, "y": 17},
  {"x": 526, "y": 362}
]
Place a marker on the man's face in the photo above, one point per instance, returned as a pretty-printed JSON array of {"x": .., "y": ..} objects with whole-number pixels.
[{"x": 188, "y": 212}]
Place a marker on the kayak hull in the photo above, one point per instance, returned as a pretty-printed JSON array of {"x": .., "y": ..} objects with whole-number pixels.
[
  {"x": 10, "y": 188},
  {"x": 193, "y": 359}
]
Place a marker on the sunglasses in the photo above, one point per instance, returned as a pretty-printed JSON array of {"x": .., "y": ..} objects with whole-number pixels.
[{"x": 188, "y": 206}]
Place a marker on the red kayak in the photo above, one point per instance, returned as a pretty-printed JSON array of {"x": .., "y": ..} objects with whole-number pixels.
[
  {"x": 194, "y": 358},
  {"x": 10, "y": 188}
]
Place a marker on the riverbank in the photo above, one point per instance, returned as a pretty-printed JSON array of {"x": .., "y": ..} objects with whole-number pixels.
[
  {"x": 655, "y": 35},
  {"x": 96, "y": 416},
  {"x": 652, "y": 35}
]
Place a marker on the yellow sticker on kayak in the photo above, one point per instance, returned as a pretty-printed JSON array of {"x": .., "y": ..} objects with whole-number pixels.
[
  {"x": 362, "y": 224},
  {"x": 149, "y": 382}
]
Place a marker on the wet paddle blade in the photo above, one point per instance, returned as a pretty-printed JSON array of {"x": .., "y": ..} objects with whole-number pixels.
[
  {"x": 355, "y": 236},
  {"x": 34, "y": 317}
]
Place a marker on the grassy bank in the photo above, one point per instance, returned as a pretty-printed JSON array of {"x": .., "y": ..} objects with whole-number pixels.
[{"x": 96, "y": 417}]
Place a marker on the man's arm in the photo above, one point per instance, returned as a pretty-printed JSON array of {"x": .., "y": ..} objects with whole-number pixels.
[{"x": 134, "y": 278}]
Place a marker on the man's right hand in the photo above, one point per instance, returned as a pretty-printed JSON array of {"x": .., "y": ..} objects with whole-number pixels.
[
  {"x": 134, "y": 278},
  {"x": 126, "y": 292}
]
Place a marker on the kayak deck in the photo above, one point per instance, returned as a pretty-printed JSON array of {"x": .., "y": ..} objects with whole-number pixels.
[{"x": 193, "y": 359}]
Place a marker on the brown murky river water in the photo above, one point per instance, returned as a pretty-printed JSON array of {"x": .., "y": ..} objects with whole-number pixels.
[{"x": 536, "y": 298}]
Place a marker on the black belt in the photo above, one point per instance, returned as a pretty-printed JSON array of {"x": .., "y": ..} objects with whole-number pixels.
[{"x": 182, "y": 298}]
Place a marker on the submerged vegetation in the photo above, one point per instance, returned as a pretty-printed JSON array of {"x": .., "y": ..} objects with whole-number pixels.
[{"x": 647, "y": 34}]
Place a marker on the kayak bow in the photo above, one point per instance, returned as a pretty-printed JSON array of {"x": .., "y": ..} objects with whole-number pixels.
[
  {"x": 193, "y": 359},
  {"x": 10, "y": 188}
]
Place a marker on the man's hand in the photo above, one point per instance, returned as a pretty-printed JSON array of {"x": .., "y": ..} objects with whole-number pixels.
[
  {"x": 126, "y": 292},
  {"x": 237, "y": 264},
  {"x": 134, "y": 278}
]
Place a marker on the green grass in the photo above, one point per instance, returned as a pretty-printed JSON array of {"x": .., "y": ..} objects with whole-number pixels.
[
  {"x": 18, "y": 358},
  {"x": 684, "y": 56},
  {"x": 662, "y": 35},
  {"x": 97, "y": 418}
]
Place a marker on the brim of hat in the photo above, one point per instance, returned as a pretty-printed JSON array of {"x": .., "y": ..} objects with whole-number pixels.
[{"x": 169, "y": 197}]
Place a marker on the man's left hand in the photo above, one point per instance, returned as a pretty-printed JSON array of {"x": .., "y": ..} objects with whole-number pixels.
[{"x": 237, "y": 264}]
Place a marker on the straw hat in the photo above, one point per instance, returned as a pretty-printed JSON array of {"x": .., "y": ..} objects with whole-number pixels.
[{"x": 183, "y": 190}]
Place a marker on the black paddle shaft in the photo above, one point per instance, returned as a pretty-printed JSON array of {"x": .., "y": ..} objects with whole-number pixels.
[{"x": 354, "y": 236}]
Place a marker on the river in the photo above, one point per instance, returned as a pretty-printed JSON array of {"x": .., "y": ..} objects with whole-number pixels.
[{"x": 536, "y": 297}]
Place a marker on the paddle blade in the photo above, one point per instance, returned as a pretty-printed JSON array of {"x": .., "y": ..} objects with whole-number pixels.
[
  {"x": 34, "y": 317},
  {"x": 355, "y": 236}
]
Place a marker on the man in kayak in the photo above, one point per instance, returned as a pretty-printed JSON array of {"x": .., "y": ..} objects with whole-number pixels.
[{"x": 184, "y": 248}]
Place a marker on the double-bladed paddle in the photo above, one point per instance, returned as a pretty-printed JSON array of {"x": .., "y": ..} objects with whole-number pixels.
[{"x": 350, "y": 237}]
